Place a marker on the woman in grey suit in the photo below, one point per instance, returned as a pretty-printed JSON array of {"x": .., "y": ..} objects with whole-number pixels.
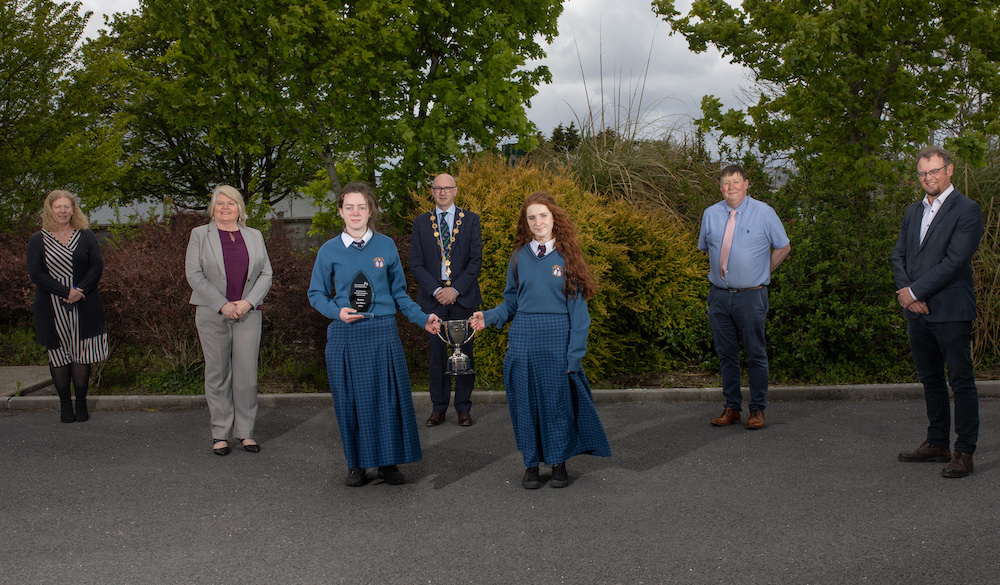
[{"x": 230, "y": 274}]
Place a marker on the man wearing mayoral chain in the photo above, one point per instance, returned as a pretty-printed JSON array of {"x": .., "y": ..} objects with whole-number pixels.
[{"x": 446, "y": 254}]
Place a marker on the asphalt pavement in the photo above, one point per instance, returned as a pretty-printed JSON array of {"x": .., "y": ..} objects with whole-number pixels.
[{"x": 136, "y": 496}]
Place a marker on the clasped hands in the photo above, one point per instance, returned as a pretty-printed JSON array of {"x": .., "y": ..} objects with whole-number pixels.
[
  {"x": 906, "y": 301},
  {"x": 446, "y": 295},
  {"x": 74, "y": 295},
  {"x": 235, "y": 310}
]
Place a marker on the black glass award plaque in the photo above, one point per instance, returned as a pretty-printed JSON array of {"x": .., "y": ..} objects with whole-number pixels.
[{"x": 361, "y": 294}]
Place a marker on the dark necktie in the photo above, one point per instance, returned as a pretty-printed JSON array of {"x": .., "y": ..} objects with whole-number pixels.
[
  {"x": 541, "y": 250},
  {"x": 445, "y": 230},
  {"x": 358, "y": 243}
]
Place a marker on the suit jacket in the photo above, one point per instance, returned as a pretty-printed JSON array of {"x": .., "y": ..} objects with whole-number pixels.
[
  {"x": 466, "y": 261},
  {"x": 939, "y": 270},
  {"x": 206, "y": 270}
]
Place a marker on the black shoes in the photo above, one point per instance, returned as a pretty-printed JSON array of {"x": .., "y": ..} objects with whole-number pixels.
[
  {"x": 559, "y": 477},
  {"x": 530, "y": 481},
  {"x": 250, "y": 447},
  {"x": 221, "y": 451},
  {"x": 355, "y": 478},
  {"x": 81, "y": 410},
  {"x": 66, "y": 411},
  {"x": 391, "y": 475}
]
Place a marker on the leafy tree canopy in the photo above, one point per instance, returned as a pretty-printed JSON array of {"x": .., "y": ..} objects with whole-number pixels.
[
  {"x": 51, "y": 132},
  {"x": 264, "y": 94},
  {"x": 852, "y": 85}
]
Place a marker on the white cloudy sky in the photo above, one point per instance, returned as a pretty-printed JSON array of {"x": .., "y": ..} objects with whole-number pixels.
[{"x": 612, "y": 39}]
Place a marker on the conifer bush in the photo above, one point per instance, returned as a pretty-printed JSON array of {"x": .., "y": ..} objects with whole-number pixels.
[{"x": 652, "y": 278}]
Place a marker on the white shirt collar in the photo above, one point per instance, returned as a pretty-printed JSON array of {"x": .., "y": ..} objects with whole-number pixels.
[
  {"x": 550, "y": 246},
  {"x": 450, "y": 218},
  {"x": 939, "y": 200},
  {"x": 348, "y": 240}
]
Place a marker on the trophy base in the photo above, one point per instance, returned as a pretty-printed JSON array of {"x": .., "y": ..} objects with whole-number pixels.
[{"x": 458, "y": 365}]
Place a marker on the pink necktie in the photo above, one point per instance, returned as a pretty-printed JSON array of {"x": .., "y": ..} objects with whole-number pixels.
[{"x": 727, "y": 243}]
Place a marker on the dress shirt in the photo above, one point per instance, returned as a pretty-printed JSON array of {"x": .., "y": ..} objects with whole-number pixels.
[
  {"x": 758, "y": 232},
  {"x": 931, "y": 209},
  {"x": 450, "y": 220}
]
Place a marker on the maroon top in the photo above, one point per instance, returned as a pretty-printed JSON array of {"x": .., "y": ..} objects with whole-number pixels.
[{"x": 237, "y": 261}]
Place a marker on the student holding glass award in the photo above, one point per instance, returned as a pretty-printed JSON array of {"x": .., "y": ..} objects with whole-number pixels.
[{"x": 358, "y": 282}]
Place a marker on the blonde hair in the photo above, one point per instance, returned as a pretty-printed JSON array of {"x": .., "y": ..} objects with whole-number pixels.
[
  {"x": 78, "y": 221},
  {"x": 233, "y": 194}
]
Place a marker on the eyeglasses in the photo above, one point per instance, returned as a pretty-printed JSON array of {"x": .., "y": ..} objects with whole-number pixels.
[
  {"x": 930, "y": 172},
  {"x": 439, "y": 189}
]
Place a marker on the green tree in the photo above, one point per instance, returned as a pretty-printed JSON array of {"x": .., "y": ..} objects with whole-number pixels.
[
  {"x": 566, "y": 139},
  {"x": 198, "y": 122},
  {"x": 51, "y": 132},
  {"x": 399, "y": 87},
  {"x": 851, "y": 85}
]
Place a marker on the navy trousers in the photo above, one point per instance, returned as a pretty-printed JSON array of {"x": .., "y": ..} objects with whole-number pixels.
[
  {"x": 736, "y": 316},
  {"x": 934, "y": 346},
  {"x": 440, "y": 383}
]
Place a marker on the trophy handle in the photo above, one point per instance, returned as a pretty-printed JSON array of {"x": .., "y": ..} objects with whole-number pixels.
[{"x": 471, "y": 335}]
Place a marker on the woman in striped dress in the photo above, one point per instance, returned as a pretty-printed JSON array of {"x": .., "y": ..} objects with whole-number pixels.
[
  {"x": 65, "y": 264},
  {"x": 548, "y": 282}
]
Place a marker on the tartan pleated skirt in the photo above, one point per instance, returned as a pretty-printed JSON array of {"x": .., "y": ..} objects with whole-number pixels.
[
  {"x": 552, "y": 411},
  {"x": 371, "y": 393}
]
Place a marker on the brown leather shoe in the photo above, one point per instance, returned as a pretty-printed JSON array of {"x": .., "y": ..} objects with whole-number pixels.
[
  {"x": 959, "y": 466},
  {"x": 926, "y": 452},
  {"x": 755, "y": 420},
  {"x": 464, "y": 419},
  {"x": 435, "y": 419},
  {"x": 729, "y": 417}
]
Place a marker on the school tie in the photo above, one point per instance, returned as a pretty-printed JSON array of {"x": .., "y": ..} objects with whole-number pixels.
[
  {"x": 541, "y": 250},
  {"x": 727, "y": 243},
  {"x": 445, "y": 230},
  {"x": 358, "y": 243}
]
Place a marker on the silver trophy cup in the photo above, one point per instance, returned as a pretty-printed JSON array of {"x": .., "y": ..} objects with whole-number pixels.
[{"x": 454, "y": 334}]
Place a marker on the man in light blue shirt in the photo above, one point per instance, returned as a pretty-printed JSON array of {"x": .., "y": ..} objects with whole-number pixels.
[{"x": 745, "y": 242}]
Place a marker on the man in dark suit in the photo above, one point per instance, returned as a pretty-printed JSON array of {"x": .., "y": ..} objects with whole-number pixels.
[
  {"x": 932, "y": 263},
  {"x": 446, "y": 254}
]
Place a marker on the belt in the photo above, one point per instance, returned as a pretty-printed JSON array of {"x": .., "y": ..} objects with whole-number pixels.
[
  {"x": 444, "y": 282},
  {"x": 736, "y": 290}
]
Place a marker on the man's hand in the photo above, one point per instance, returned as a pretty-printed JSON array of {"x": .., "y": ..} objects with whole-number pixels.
[
  {"x": 905, "y": 297},
  {"x": 446, "y": 296}
]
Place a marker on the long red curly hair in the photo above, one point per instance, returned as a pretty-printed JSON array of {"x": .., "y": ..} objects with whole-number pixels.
[{"x": 578, "y": 278}]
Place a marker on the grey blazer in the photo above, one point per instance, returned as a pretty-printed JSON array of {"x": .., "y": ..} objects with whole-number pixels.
[{"x": 206, "y": 271}]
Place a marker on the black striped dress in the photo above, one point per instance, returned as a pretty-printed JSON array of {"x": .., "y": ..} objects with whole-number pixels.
[{"x": 72, "y": 349}]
